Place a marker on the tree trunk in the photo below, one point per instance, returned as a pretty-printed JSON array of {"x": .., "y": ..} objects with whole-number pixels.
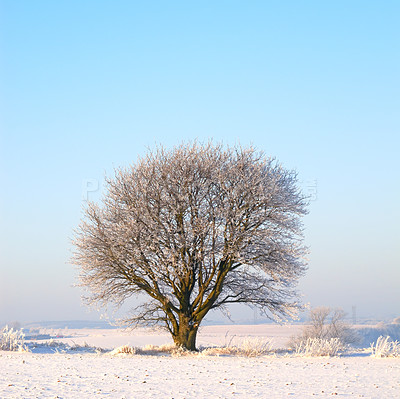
[{"x": 185, "y": 337}]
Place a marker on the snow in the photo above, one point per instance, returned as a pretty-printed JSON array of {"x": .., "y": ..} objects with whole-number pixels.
[
  {"x": 207, "y": 336},
  {"x": 90, "y": 375}
]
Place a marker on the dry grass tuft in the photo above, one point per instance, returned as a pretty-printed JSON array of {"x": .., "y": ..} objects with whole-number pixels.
[
  {"x": 247, "y": 348},
  {"x": 319, "y": 347},
  {"x": 12, "y": 340},
  {"x": 385, "y": 347}
]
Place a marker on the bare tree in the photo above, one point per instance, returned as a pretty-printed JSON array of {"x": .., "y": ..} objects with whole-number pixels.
[
  {"x": 327, "y": 323},
  {"x": 195, "y": 228}
]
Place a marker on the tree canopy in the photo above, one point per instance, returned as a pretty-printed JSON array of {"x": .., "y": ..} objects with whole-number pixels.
[{"x": 195, "y": 228}]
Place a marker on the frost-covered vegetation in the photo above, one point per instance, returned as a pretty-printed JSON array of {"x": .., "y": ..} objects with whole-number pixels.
[
  {"x": 245, "y": 347},
  {"x": 147, "y": 350},
  {"x": 249, "y": 347},
  {"x": 195, "y": 229},
  {"x": 319, "y": 347},
  {"x": 226, "y": 341},
  {"x": 54, "y": 346},
  {"x": 326, "y": 329},
  {"x": 371, "y": 334},
  {"x": 327, "y": 334},
  {"x": 12, "y": 340},
  {"x": 385, "y": 347}
]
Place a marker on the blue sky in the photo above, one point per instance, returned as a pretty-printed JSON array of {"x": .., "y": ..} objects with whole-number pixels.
[{"x": 88, "y": 86}]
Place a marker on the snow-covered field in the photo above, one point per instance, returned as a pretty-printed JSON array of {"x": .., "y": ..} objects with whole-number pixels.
[
  {"x": 207, "y": 336},
  {"x": 76, "y": 374}
]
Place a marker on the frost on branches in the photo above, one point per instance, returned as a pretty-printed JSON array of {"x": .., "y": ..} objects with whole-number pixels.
[
  {"x": 195, "y": 228},
  {"x": 12, "y": 340}
]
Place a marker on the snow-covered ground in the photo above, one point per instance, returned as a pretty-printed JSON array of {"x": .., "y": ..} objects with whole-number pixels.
[
  {"x": 207, "y": 336},
  {"x": 90, "y": 375}
]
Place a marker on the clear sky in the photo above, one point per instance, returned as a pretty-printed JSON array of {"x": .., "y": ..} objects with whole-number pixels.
[{"x": 86, "y": 86}]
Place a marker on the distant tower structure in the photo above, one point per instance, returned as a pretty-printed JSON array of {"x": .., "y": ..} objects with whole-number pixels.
[
  {"x": 255, "y": 315},
  {"x": 354, "y": 314}
]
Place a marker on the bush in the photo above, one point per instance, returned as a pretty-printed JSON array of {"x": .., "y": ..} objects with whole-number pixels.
[
  {"x": 326, "y": 324},
  {"x": 12, "y": 340},
  {"x": 319, "y": 347},
  {"x": 385, "y": 347}
]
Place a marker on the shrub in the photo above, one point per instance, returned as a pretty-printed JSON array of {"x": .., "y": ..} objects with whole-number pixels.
[
  {"x": 319, "y": 347},
  {"x": 12, "y": 340},
  {"x": 385, "y": 347},
  {"x": 326, "y": 324}
]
